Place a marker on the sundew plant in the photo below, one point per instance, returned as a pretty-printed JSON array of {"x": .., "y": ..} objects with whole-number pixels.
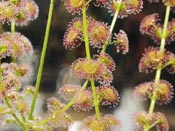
[
  {"x": 156, "y": 59},
  {"x": 95, "y": 69}
]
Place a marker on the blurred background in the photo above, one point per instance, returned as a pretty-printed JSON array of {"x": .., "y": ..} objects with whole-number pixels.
[{"x": 126, "y": 75}]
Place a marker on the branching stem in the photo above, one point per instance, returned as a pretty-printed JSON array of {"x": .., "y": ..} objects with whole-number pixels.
[
  {"x": 114, "y": 20},
  {"x": 159, "y": 70}
]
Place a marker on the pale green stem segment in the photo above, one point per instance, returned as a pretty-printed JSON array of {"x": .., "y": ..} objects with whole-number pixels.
[
  {"x": 13, "y": 114},
  {"x": 12, "y": 26},
  {"x": 115, "y": 16},
  {"x": 96, "y": 99},
  {"x": 163, "y": 40},
  {"x": 85, "y": 33},
  {"x": 23, "y": 117},
  {"x": 42, "y": 59},
  {"x": 159, "y": 70},
  {"x": 114, "y": 20}
]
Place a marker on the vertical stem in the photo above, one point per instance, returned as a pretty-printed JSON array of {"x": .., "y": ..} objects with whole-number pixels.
[
  {"x": 115, "y": 17},
  {"x": 85, "y": 33},
  {"x": 42, "y": 59},
  {"x": 12, "y": 31},
  {"x": 146, "y": 128},
  {"x": 163, "y": 40},
  {"x": 86, "y": 39},
  {"x": 159, "y": 70},
  {"x": 96, "y": 100},
  {"x": 12, "y": 26},
  {"x": 153, "y": 99}
]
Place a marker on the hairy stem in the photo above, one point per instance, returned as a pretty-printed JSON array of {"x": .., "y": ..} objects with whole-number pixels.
[
  {"x": 159, "y": 70},
  {"x": 42, "y": 59}
]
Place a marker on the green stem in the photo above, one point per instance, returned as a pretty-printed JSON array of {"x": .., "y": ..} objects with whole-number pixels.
[
  {"x": 159, "y": 70},
  {"x": 96, "y": 100},
  {"x": 86, "y": 39},
  {"x": 114, "y": 20},
  {"x": 146, "y": 128},
  {"x": 23, "y": 117},
  {"x": 12, "y": 26},
  {"x": 155, "y": 123},
  {"x": 153, "y": 98},
  {"x": 163, "y": 40},
  {"x": 13, "y": 114},
  {"x": 42, "y": 59},
  {"x": 115, "y": 17},
  {"x": 85, "y": 33},
  {"x": 12, "y": 31},
  {"x": 172, "y": 62}
]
